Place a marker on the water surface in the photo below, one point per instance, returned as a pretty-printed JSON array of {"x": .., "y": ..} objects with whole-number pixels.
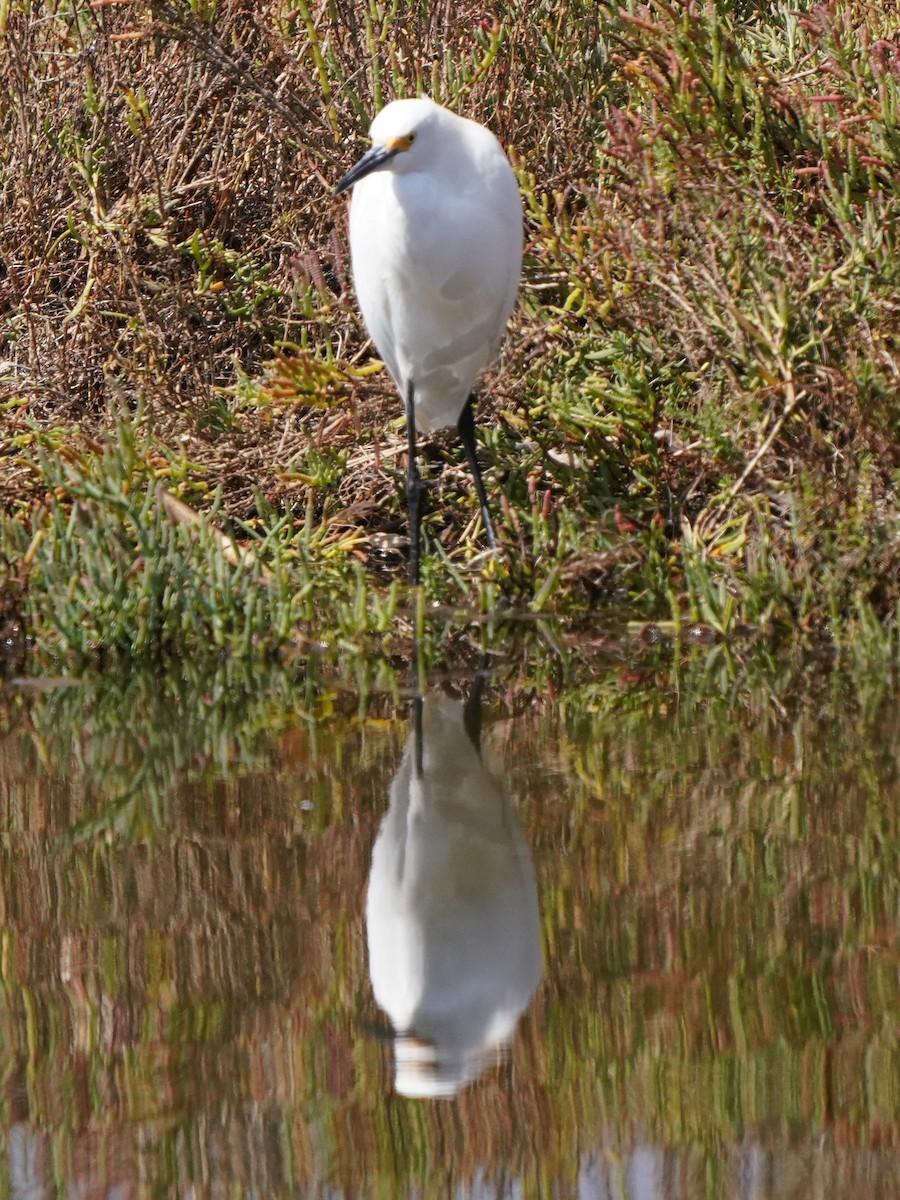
[{"x": 644, "y": 944}]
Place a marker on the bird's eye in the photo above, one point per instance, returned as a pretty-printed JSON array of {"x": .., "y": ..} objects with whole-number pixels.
[{"x": 410, "y": 137}]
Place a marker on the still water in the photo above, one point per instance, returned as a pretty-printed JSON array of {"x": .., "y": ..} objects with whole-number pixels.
[{"x": 634, "y": 933}]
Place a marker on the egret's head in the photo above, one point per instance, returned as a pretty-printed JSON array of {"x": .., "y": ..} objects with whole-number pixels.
[{"x": 401, "y": 135}]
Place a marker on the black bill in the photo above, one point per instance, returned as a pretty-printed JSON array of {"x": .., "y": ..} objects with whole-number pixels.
[{"x": 370, "y": 161}]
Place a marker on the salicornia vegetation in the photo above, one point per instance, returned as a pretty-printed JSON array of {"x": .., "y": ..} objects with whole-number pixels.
[{"x": 696, "y": 415}]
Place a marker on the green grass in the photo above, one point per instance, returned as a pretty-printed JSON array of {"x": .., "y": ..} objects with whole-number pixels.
[{"x": 696, "y": 413}]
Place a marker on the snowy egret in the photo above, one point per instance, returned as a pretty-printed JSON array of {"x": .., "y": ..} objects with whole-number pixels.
[
  {"x": 452, "y": 919},
  {"x": 436, "y": 247}
]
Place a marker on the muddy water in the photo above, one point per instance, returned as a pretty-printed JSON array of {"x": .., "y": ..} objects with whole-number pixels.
[{"x": 637, "y": 937}]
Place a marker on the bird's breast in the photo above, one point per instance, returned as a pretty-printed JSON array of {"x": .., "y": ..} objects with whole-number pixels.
[{"x": 436, "y": 267}]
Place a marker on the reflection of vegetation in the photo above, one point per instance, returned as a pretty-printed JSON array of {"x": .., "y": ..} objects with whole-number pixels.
[
  {"x": 717, "y": 847},
  {"x": 125, "y": 744}
]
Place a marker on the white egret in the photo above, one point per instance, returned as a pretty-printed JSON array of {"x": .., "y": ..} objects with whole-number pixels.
[
  {"x": 436, "y": 247},
  {"x": 452, "y": 919}
]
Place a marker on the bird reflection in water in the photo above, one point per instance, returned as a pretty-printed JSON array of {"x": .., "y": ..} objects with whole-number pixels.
[{"x": 452, "y": 913}]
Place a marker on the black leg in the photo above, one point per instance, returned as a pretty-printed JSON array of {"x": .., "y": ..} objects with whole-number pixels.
[
  {"x": 414, "y": 486},
  {"x": 466, "y": 429},
  {"x": 472, "y": 709},
  {"x": 418, "y": 706}
]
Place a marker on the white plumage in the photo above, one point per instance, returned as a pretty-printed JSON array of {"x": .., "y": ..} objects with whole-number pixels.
[{"x": 436, "y": 242}]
